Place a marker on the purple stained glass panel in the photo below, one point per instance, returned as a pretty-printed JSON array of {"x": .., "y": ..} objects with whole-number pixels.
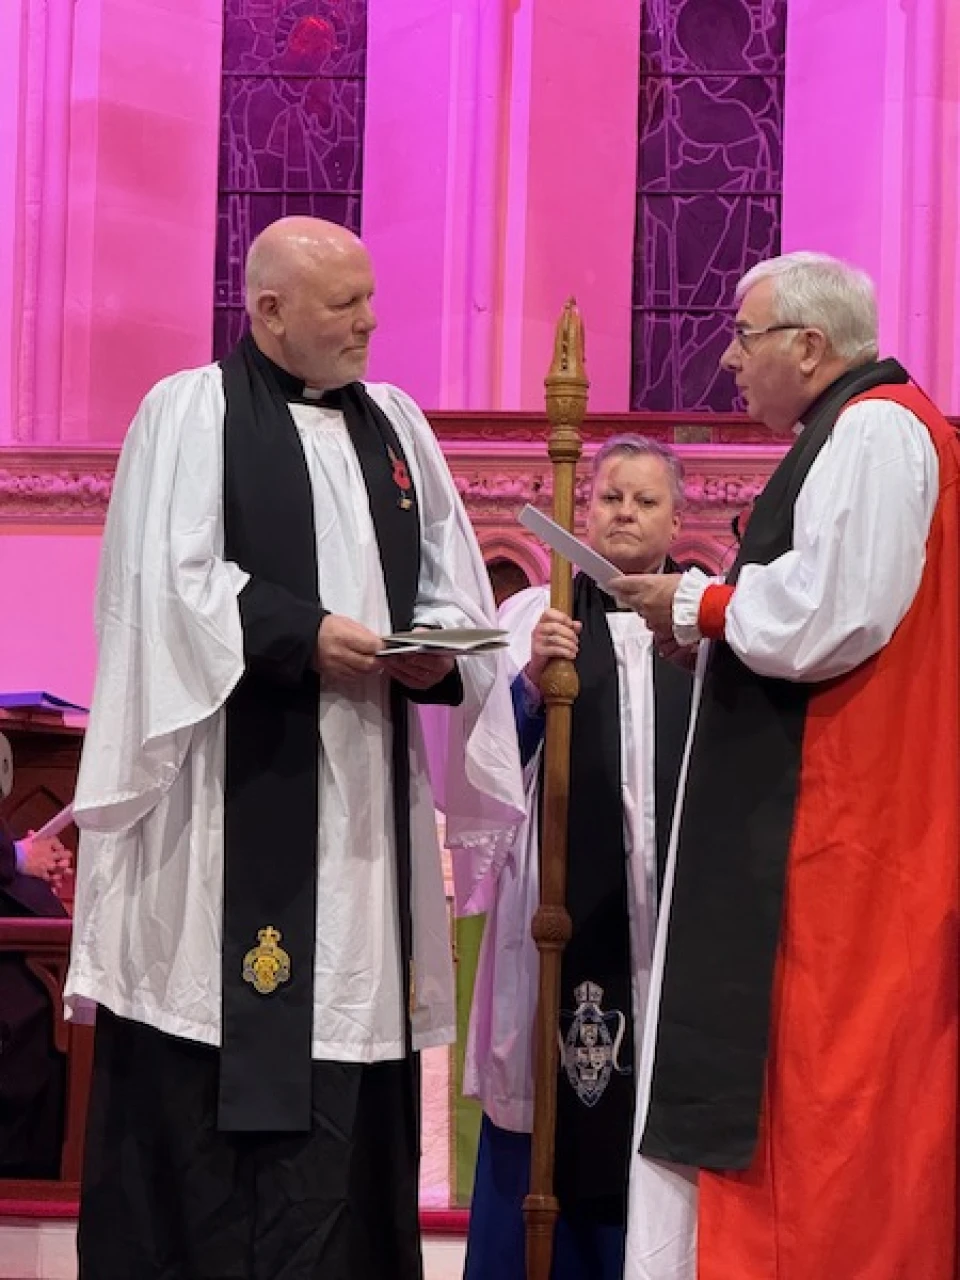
[
  {"x": 692, "y": 249},
  {"x": 295, "y": 37},
  {"x": 242, "y": 216},
  {"x": 291, "y": 135},
  {"x": 676, "y": 362},
  {"x": 716, "y": 133},
  {"x": 710, "y": 167},
  {"x": 692, "y": 36}
]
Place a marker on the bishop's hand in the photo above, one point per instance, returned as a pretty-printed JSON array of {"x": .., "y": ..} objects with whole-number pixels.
[
  {"x": 681, "y": 655},
  {"x": 651, "y": 595}
]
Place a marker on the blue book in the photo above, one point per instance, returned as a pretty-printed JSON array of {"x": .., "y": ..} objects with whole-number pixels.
[{"x": 36, "y": 700}]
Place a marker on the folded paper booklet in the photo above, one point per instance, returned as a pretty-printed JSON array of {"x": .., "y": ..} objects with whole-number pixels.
[{"x": 451, "y": 641}]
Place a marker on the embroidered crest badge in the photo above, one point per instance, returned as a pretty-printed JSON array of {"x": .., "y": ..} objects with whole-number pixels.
[
  {"x": 590, "y": 1050},
  {"x": 267, "y": 965}
]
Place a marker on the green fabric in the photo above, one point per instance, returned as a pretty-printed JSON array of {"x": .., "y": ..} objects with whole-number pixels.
[{"x": 465, "y": 1127}]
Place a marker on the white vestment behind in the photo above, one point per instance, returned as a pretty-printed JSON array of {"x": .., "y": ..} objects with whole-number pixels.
[{"x": 499, "y": 1057}]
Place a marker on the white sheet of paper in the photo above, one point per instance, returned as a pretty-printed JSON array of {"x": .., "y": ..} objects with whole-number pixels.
[
  {"x": 59, "y": 822},
  {"x": 571, "y": 548}
]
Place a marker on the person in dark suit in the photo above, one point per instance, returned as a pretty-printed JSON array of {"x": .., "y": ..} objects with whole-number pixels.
[{"x": 31, "y": 1069}]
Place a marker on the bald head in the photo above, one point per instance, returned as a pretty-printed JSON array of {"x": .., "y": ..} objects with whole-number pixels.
[
  {"x": 308, "y": 289},
  {"x": 291, "y": 246}
]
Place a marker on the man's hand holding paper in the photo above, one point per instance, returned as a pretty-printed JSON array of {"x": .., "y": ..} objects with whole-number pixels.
[{"x": 651, "y": 595}]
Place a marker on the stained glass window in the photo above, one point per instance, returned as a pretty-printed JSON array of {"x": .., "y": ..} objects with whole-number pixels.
[
  {"x": 709, "y": 187},
  {"x": 291, "y": 128}
]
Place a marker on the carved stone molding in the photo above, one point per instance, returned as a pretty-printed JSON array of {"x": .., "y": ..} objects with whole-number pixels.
[
  {"x": 491, "y": 494},
  {"x": 55, "y": 486},
  {"x": 495, "y": 482},
  {"x": 463, "y": 428},
  {"x": 499, "y": 463}
]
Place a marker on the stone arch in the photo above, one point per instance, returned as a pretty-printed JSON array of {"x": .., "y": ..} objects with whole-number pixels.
[{"x": 527, "y": 557}]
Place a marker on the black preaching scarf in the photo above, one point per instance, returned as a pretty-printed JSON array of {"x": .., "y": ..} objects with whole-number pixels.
[
  {"x": 595, "y": 1097},
  {"x": 735, "y": 832},
  {"x": 271, "y": 775}
]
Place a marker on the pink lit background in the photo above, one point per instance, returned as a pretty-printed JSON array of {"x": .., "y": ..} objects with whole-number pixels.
[
  {"x": 490, "y": 127},
  {"x": 478, "y": 206}
]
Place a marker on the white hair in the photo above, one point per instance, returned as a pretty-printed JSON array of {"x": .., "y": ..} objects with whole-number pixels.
[{"x": 815, "y": 291}]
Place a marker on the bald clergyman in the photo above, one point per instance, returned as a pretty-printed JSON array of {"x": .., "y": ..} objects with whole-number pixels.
[{"x": 260, "y": 912}]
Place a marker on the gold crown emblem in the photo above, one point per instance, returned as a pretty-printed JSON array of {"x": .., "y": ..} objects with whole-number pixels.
[{"x": 267, "y": 965}]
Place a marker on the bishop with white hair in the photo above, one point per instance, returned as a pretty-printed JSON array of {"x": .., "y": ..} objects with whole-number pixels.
[{"x": 801, "y": 1045}]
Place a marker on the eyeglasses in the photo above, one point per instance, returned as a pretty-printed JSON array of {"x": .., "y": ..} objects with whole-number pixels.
[{"x": 742, "y": 334}]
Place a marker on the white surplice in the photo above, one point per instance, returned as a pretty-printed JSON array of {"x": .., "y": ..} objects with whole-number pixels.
[
  {"x": 861, "y": 523},
  {"x": 498, "y": 1069},
  {"x": 150, "y": 795}
]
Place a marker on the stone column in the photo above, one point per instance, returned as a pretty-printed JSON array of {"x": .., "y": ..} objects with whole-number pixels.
[
  {"x": 109, "y": 120},
  {"x": 872, "y": 164},
  {"x": 499, "y": 179}
]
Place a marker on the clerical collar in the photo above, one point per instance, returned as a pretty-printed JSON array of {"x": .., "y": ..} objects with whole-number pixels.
[{"x": 295, "y": 391}]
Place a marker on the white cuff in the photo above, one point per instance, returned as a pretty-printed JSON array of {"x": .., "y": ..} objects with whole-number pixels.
[
  {"x": 686, "y": 605},
  {"x": 21, "y": 851},
  {"x": 438, "y": 616}
]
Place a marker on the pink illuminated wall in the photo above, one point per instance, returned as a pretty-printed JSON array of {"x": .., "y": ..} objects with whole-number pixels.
[
  {"x": 47, "y": 640},
  {"x": 108, "y": 131},
  {"x": 872, "y": 164},
  {"x": 11, "y": 209},
  {"x": 573, "y": 231},
  {"x": 110, "y": 118},
  {"x": 500, "y": 177},
  {"x": 497, "y": 184}
]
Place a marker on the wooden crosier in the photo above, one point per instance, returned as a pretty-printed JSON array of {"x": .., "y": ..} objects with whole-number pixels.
[{"x": 566, "y": 397}]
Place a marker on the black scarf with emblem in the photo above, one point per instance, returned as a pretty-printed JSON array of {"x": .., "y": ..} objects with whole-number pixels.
[
  {"x": 735, "y": 832},
  {"x": 595, "y": 1126},
  {"x": 271, "y": 769}
]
